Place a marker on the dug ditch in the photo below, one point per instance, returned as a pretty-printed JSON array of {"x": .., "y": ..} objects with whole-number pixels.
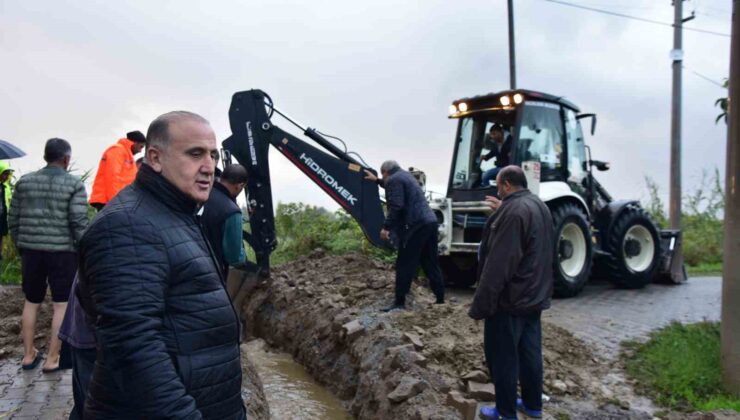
[{"x": 423, "y": 363}]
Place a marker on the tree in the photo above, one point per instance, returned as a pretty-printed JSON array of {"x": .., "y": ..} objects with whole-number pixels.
[{"x": 722, "y": 104}]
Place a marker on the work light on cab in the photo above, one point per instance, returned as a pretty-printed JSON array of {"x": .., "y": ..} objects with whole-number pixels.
[
  {"x": 505, "y": 100},
  {"x": 463, "y": 107},
  {"x": 518, "y": 98},
  {"x": 453, "y": 109}
]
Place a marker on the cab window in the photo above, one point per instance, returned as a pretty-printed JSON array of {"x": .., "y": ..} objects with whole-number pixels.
[{"x": 541, "y": 138}]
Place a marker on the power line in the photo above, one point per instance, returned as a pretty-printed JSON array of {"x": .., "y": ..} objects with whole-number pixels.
[
  {"x": 708, "y": 79},
  {"x": 622, "y": 15}
]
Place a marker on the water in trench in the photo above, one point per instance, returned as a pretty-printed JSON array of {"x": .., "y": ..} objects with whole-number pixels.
[{"x": 290, "y": 390}]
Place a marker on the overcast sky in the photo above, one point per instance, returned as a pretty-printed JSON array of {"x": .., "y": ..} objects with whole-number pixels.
[{"x": 380, "y": 74}]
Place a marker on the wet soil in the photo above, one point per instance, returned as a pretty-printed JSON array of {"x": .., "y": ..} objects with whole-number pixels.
[
  {"x": 11, "y": 309},
  {"x": 418, "y": 363}
]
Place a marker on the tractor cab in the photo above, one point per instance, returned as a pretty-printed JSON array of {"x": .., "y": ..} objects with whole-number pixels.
[{"x": 514, "y": 127}]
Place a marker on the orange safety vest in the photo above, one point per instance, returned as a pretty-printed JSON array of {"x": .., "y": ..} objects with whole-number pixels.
[{"x": 117, "y": 169}]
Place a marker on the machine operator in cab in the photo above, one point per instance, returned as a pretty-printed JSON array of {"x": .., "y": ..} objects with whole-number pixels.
[{"x": 499, "y": 145}]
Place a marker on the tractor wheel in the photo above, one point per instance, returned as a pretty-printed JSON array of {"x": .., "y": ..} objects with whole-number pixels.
[
  {"x": 634, "y": 246},
  {"x": 572, "y": 262},
  {"x": 459, "y": 271}
]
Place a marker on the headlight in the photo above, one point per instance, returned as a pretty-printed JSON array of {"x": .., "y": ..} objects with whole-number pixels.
[
  {"x": 463, "y": 107},
  {"x": 453, "y": 109},
  {"x": 505, "y": 100},
  {"x": 518, "y": 98}
]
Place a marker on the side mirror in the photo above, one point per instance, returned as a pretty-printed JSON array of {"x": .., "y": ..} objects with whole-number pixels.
[
  {"x": 601, "y": 166},
  {"x": 593, "y": 121}
]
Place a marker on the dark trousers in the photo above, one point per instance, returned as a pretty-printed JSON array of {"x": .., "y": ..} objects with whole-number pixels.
[
  {"x": 513, "y": 346},
  {"x": 419, "y": 248},
  {"x": 83, "y": 363}
]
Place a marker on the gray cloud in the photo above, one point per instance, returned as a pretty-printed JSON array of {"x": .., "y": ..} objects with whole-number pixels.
[{"x": 378, "y": 74}]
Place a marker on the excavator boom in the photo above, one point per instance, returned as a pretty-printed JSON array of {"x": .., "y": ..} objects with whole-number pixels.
[{"x": 336, "y": 173}]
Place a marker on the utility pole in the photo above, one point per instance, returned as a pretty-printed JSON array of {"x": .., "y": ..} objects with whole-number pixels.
[
  {"x": 512, "y": 56},
  {"x": 730, "y": 328},
  {"x": 674, "y": 211}
]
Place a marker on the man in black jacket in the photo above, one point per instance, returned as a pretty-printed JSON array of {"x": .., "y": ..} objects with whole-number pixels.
[
  {"x": 515, "y": 283},
  {"x": 415, "y": 226},
  {"x": 167, "y": 335},
  {"x": 222, "y": 218},
  {"x": 500, "y": 149}
]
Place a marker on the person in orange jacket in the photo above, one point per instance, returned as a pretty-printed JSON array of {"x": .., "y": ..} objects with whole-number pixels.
[{"x": 117, "y": 168}]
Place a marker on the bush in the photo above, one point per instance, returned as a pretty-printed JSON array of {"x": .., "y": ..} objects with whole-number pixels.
[
  {"x": 680, "y": 368},
  {"x": 302, "y": 228},
  {"x": 10, "y": 266},
  {"x": 701, "y": 217}
]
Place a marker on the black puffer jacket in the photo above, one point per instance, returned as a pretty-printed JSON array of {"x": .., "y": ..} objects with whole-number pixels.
[
  {"x": 407, "y": 207},
  {"x": 167, "y": 335}
]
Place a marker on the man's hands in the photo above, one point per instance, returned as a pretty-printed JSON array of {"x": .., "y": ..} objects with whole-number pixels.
[
  {"x": 385, "y": 234},
  {"x": 370, "y": 176},
  {"x": 493, "y": 202}
]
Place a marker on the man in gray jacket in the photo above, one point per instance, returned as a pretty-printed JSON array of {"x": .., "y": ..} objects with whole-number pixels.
[
  {"x": 48, "y": 215},
  {"x": 515, "y": 282}
]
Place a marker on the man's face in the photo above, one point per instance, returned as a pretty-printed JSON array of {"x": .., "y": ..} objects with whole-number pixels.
[
  {"x": 497, "y": 136},
  {"x": 189, "y": 161},
  {"x": 502, "y": 188},
  {"x": 4, "y": 176},
  {"x": 136, "y": 147},
  {"x": 235, "y": 189}
]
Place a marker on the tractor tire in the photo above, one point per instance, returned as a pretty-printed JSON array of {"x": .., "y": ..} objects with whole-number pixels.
[
  {"x": 634, "y": 247},
  {"x": 573, "y": 250},
  {"x": 459, "y": 271}
]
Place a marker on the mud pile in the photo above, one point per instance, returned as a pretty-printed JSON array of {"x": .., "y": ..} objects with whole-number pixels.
[
  {"x": 11, "y": 309},
  {"x": 423, "y": 363}
]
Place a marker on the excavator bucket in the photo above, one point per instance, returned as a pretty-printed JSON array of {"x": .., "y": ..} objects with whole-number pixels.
[{"x": 671, "y": 268}]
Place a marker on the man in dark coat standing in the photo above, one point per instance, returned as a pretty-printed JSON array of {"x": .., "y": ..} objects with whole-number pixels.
[
  {"x": 222, "y": 218},
  {"x": 515, "y": 283},
  {"x": 415, "y": 226},
  {"x": 167, "y": 334}
]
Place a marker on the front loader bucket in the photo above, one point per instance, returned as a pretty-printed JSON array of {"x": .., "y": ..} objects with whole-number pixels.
[{"x": 671, "y": 268}]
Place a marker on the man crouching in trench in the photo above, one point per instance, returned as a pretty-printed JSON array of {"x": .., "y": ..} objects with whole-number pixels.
[{"x": 167, "y": 335}]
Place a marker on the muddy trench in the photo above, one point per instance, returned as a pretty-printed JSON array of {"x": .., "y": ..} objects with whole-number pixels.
[{"x": 423, "y": 363}]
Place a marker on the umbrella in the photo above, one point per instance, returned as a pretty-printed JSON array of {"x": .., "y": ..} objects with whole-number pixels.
[{"x": 8, "y": 151}]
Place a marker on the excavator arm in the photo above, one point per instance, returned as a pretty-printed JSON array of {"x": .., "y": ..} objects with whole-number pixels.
[{"x": 332, "y": 169}]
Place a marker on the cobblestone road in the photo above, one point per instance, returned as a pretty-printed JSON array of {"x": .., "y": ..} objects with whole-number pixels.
[
  {"x": 33, "y": 394},
  {"x": 604, "y": 316}
]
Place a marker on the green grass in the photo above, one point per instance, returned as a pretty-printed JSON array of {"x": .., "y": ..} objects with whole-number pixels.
[
  {"x": 679, "y": 367},
  {"x": 705, "y": 269},
  {"x": 10, "y": 272},
  {"x": 10, "y": 265},
  {"x": 302, "y": 229}
]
